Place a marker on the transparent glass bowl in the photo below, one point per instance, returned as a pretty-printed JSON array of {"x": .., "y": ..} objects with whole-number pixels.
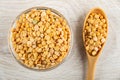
[{"x": 14, "y": 25}]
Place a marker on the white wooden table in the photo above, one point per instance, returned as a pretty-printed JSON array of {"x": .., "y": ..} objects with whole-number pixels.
[{"x": 108, "y": 66}]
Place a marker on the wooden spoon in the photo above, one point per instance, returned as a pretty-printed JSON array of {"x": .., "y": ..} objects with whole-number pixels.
[{"x": 93, "y": 59}]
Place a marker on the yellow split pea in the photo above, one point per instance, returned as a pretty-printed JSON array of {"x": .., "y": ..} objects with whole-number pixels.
[
  {"x": 95, "y": 33},
  {"x": 41, "y": 39}
]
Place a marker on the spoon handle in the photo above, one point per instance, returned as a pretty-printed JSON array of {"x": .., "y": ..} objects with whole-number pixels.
[{"x": 91, "y": 69}]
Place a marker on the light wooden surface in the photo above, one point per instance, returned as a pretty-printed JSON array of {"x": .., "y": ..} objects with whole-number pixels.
[{"x": 108, "y": 66}]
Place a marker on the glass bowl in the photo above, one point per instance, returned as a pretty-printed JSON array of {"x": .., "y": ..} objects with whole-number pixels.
[{"x": 13, "y": 25}]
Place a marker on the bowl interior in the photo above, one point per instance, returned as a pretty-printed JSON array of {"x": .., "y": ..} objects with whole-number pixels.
[{"x": 14, "y": 25}]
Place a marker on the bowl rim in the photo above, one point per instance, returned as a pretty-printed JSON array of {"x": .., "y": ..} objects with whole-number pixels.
[{"x": 10, "y": 35}]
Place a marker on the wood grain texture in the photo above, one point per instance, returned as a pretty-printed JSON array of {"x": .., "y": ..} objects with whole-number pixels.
[{"x": 108, "y": 66}]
